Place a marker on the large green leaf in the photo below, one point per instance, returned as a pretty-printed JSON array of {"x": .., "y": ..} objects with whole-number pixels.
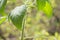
[
  {"x": 17, "y": 16},
  {"x": 2, "y": 5}
]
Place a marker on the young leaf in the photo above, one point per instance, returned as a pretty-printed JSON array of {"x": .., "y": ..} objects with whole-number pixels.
[
  {"x": 45, "y": 6},
  {"x": 48, "y": 10},
  {"x": 17, "y": 16},
  {"x": 2, "y": 5},
  {"x": 41, "y": 4}
]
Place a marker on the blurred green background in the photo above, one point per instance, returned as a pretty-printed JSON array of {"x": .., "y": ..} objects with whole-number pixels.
[{"x": 36, "y": 26}]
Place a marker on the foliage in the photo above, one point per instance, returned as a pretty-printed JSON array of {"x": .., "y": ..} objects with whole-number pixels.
[
  {"x": 17, "y": 16},
  {"x": 2, "y": 6},
  {"x": 19, "y": 12},
  {"x": 45, "y": 6}
]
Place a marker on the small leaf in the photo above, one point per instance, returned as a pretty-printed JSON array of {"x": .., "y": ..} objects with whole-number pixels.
[
  {"x": 41, "y": 4},
  {"x": 17, "y": 16},
  {"x": 2, "y": 19},
  {"x": 48, "y": 10},
  {"x": 2, "y": 5}
]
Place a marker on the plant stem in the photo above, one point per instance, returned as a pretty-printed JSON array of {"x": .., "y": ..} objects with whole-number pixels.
[{"x": 22, "y": 37}]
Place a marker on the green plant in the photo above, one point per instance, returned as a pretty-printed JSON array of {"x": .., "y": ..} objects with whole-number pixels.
[{"x": 17, "y": 15}]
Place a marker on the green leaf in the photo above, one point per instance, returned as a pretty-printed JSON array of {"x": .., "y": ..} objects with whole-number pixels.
[
  {"x": 2, "y": 5},
  {"x": 48, "y": 10},
  {"x": 17, "y": 16},
  {"x": 2, "y": 19},
  {"x": 41, "y": 4},
  {"x": 45, "y": 6}
]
